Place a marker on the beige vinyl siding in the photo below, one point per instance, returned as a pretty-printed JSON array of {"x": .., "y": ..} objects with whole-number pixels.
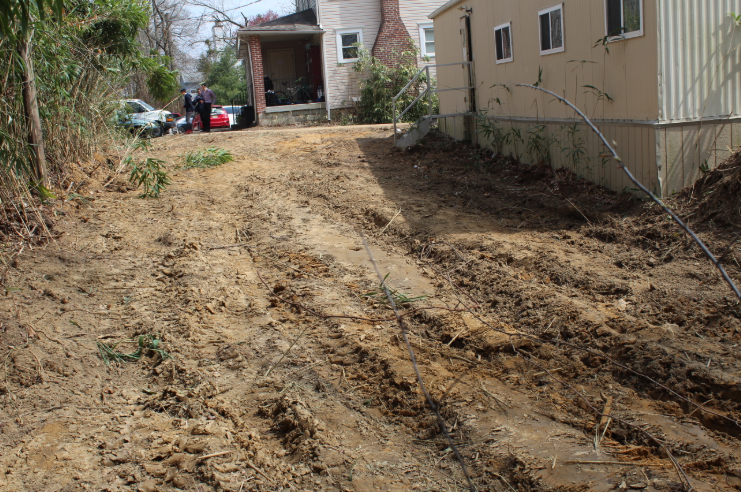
[
  {"x": 416, "y": 12},
  {"x": 628, "y": 73},
  {"x": 342, "y": 82}
]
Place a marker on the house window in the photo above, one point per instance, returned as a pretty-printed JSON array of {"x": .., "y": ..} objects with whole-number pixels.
[
  {"x": 503, "y": 40},
  {"x": 551, "y": 30},
  {"x": 427, "y": 39},
  {"x": 347, "y": 39},
  {"x": 624, "y": 18}
]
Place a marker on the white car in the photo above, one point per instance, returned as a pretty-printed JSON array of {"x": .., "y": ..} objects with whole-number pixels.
[
  {"x": 143, "y": 111},
  {"x": 233, "y": 112}
]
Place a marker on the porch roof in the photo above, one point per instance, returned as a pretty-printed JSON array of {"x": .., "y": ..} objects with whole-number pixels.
[{"x": 304, "y": 21}]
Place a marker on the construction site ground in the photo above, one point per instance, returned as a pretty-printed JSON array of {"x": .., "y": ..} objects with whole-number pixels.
[{"x": 243, "y": 272}]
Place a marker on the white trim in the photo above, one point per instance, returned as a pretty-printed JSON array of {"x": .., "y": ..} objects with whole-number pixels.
[
  {"x": 511, "y": 48},
  {"x": 633, "y": 34},
  {"x": 338, "y": 34},
  {"x": 422, "y": 39},
  {"x": 563, "y": 32}
]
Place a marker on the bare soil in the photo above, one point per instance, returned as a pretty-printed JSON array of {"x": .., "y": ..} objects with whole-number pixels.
[{"x": 546, "y": 298}]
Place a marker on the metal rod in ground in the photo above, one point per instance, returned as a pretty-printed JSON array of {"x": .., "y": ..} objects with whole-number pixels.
[
  {"x": 430, "y": 402},
  {"x": 666, "y": 209}
]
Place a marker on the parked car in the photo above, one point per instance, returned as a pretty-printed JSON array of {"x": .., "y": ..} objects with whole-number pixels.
[
  {"x": 143, "y": 111},
  {"x": 233, "y": 112},
  {"x": 140, "y": 127},
  {"x": 219, "y": 119}
]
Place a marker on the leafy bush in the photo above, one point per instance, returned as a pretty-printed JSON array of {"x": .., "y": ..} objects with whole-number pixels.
[
  {"x": 150, "y": 174},
  {"x": 83, "y": 55},
  {"x": 381, "y": 83},
  {"x": 210, "y": 157}
]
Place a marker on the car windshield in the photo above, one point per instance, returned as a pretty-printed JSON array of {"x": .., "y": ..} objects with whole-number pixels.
[
  {"x": 139, "y": 106},
  {"x": 149, "y": 108},
  {"x": 229, "y": 109}
]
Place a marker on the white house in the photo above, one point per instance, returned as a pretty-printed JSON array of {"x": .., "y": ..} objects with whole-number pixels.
[{"x": 299, "y": 66}]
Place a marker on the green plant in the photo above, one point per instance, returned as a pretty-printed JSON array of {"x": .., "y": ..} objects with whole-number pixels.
[
  {"x": 381, "y": 83},
  {"x": 379, "y": 295},
  {"x": 704, "y": 167},
  {"x": 210, "y": 157},
  {"x": 491, "y": 131},
  {"x": 601, "y": 96},
  {"x": 145, "y": 343},
  {"x": 539, "y": 143},
  {"x": 512, "y": 138},
  {"x": 575, "y": 146},
  {"x": 149, "y": 174}
]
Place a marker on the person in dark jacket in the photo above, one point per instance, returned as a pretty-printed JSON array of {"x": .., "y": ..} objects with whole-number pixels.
[
  {"x": 209, "y": 98},
  {"x": 198, "y": 107},
  {"x": 190, "y": 109}
]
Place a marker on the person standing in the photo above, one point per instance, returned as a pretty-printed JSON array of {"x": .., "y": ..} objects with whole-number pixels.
[
  {"x": 190, "y": 109},
  {"x": 198, "y": 105},
  {"x": 209, "y": 98}
]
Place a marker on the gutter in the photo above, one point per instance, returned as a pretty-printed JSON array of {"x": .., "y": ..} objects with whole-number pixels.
[{"x": 444, "y": 8}]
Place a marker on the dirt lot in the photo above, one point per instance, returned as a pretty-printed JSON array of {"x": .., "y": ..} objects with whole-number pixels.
[{"x": 239, "y": 269}]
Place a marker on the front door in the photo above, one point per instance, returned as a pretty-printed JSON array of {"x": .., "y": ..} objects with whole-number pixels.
[{"x": 281, "y": 68}]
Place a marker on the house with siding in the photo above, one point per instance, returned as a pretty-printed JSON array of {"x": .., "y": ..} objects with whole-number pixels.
[
  {"x": 299, "y": 67},
  {"x": 660, "y": 78}
]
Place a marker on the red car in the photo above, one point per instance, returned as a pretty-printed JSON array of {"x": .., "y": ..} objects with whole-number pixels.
[{"x": 219, "y": 119}]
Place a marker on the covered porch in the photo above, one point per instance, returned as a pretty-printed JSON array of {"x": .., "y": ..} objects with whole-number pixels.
[{"x": 283, "y": 59}]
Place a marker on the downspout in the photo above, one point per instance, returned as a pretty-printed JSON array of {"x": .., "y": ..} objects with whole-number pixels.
[
  {"x": 252, "y": 83},
  {"x": 660, "y": 150},
  {"x": 324, "y": 61}
]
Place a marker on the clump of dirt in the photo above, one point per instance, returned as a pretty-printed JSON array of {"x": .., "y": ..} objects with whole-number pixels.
[{"x": 715, "y": 197}]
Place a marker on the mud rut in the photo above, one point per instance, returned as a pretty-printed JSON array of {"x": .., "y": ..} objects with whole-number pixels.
[{"x": 235, "y": 409}]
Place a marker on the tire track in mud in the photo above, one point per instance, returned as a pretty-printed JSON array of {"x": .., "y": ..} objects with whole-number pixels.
[{"x": 341, "y": 409}]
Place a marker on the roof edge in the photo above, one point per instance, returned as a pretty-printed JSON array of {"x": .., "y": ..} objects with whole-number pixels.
[{"x": 444, "y": 8}]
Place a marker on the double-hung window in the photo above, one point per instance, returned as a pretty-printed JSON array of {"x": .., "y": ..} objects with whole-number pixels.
[
  {"x": 551, "y": 29},
  {"x": 503, "y": 41},
  {"x": 347, "y": 44},
  {"x": 624, "y": 18},
  {"x": 427, "y": 39}
]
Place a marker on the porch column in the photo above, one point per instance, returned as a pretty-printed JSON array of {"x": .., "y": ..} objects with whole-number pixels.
[{"x": 257, "y": 73}]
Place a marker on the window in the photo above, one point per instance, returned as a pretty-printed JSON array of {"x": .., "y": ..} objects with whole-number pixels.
[
  {"x": 427, "y": 39},
  {"x": 551, "y": 30},
  {"x": 503, "y": 40},
  {"x": 624, "y": 18},
  {"x": 347, "y": 52}
]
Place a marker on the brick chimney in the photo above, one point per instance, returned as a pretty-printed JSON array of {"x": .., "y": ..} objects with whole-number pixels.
[{"x": 392, "y": 35}]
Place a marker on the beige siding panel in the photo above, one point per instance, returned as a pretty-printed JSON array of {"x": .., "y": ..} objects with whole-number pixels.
[
  {"x": 342, "y": 81},
  {"x": 674, "y": 168},
  {"x": 707, "y": 135},
  {"x": 651, "y": 157},
  {"x": 735, "y": 134},
  {"x": 661, "y": 159},
  {"x": 690, "y": 154},
  {"x": 583, "y": 24},
  {"x": 723, "y": 143},
  {"x": 416, "y": 12}
]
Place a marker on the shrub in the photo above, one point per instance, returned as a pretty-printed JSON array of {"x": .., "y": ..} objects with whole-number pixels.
[{"x": 381, "y": 83}]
